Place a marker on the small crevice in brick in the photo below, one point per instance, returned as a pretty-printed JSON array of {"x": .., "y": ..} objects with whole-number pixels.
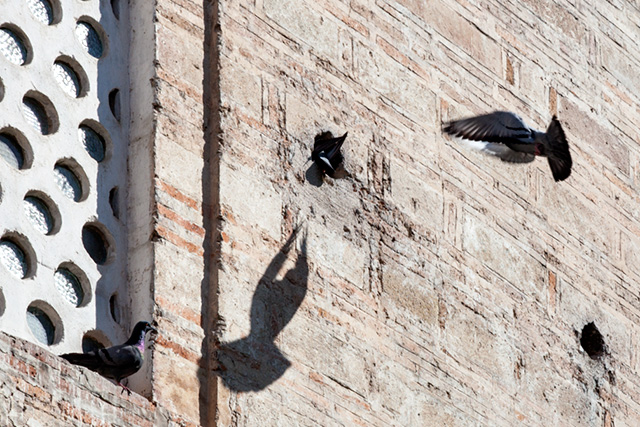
[
  {"x": 592, "y": 341},
  {"x": 509, "y": 72}
]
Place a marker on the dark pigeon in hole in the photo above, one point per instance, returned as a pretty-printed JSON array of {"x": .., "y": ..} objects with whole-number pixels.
[
  {"x": 326, "y": 152},
  {"x": 119, "y": 361},
  {"x": 505, "y": 135}
]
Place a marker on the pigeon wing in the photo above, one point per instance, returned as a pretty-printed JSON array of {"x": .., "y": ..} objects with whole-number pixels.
[
  {"x": 331, "y": 147},
  {"x": 505, "y": 153},
  {"x": 498, "y": 127},
  {"x": 334, "y": 154},
  {"x": 119, "y": 361}
]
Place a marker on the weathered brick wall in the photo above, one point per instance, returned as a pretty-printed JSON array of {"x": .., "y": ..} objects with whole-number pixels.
[
  {"x": 39, "y": 389},
  {"x": 442, "y": 287},
  {"x": 179, "y": 182}
]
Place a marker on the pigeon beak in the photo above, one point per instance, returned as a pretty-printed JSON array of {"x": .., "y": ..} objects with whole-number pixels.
[{"x": 152, "y": 329}]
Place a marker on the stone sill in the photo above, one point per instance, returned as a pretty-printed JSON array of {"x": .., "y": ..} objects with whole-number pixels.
[{"x": 39, "y": 388}]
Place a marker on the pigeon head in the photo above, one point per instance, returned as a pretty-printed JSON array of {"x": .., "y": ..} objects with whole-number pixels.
[{"x": 140, "y": 331}]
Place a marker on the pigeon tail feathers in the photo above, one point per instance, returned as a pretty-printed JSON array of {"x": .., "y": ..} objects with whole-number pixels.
[
  {"x": 558, "y": 151},
  {"x": 88, "y": 360}
]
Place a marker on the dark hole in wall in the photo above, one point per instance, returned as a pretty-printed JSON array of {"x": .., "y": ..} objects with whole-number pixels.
[
  {"x": 115, "y": 7},
  {"x": 95, "y": 244},
  {"x": 90, "y": 344},
  {"x": 114, "y": 103},
  {"x": 322, "y": 136},
  {"x": 114, "y": 309},
  {"x": 114, "y": 202},
  {"x": 592, "y": 341}
]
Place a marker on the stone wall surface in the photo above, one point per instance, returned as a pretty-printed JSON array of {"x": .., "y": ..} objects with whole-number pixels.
[
  {"x": 443, "y": 287},
  {"x": 430, "y": 286},
  {"x": 39, "y": 389}
]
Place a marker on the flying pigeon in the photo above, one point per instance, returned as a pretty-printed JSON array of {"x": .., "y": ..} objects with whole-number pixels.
[
  {"x": 326, "y": 152},
  {"x": 119, "y": 361},
  {"x": 505, "y": 135}
]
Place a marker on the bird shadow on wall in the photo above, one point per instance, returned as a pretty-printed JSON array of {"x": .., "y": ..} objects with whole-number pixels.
[
  {"x": 314, "y": 175},
  {"x": 254, "y": 362}
]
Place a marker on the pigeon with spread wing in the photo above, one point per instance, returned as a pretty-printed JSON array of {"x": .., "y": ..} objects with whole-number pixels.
[
  {"x": 326, "y": 152},
  {"x": 506, "y": 135}
]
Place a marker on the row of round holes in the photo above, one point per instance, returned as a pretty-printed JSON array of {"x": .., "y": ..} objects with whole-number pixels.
[
  {"x": 16, "y": 47},
  {"x": 42, "y": 211},
  {"x": 50, "y": 12},
  {"x": 69, "y": 280},
  {"x": 46, "y": 326},
  {"x": 18, "y": 256},
  {"x": 17, "y": 150},
  {"x": 67, "y": 72},
  {"x": 40, "y": 113},
  {"x": 68, "y": 174}
]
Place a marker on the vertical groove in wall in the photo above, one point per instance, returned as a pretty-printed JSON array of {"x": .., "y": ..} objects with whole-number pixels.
[
  {"x": 141, "y": 172},
  {"x": 211, "y": 210}
]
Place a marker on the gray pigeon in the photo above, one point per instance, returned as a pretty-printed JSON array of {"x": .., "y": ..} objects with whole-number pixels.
[
  {"x": 119, "y": 361},
  {"x": 505, "y": 135}
]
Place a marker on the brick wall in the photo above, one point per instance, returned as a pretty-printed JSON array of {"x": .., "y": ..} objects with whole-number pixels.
[
  {"x": 40, "y": 389},
  {"x": 432, "y": 286},
  {"x": 442, "y": 287},
  {"x": 178, "y": 204}
]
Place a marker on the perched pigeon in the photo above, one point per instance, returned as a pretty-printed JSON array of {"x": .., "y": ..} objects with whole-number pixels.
[
  {"x": 326, "y": 152},
  {"x": 505, "y": 135},
  {"x": 119, "y": 361}
]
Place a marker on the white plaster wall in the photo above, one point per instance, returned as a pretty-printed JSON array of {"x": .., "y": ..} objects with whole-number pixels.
[{"x": 48, "y": 42}]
